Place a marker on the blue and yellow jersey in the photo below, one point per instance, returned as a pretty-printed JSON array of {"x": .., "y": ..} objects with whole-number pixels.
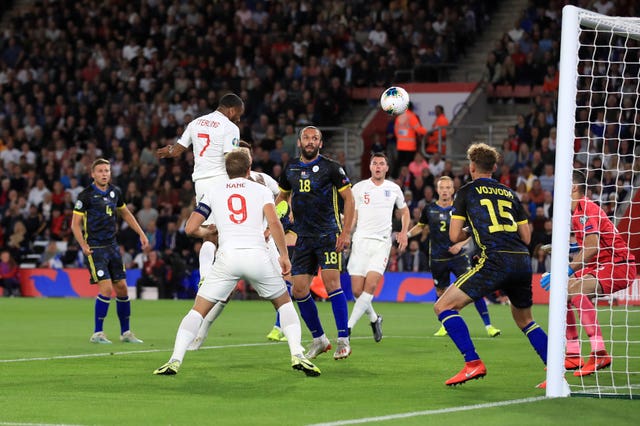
[
  {"x": 437, "y": 218},
  {"x": 315, "y": 198},
  {"x": 99, "y": 211},
  {"x": 494, "y": 212}
]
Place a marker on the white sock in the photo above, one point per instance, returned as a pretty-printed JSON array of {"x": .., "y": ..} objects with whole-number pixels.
[
  {"x": 290, "y": 325},
  {"x": 214, "y": 313},
  {"x": 186, "y": 333},
  {"x": 362, "y": 305},
  {"x": 206, "y": 257}
]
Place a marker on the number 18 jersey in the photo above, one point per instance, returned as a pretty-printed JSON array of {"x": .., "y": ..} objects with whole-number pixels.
[{"x": 494, "y": 212}]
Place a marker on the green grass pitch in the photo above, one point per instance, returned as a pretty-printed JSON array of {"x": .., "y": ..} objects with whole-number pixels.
[{"x": 51, "y": 374}]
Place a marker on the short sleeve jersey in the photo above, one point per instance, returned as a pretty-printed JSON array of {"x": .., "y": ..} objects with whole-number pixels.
[
  {"x": 438, "y": 219},
  {"x": 212, "y": 136},
  {"x": 587, "y": 218},
  {"x": 494, "y": 213},
  {"x": 99, "y": 209},
  {"x": 374, "y": 206},
  {"x": 237, "y": 206},
  {"x": 314, "y": 191}
]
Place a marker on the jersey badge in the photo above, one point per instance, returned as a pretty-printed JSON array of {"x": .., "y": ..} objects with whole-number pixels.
[{"x": 315, "y": 168}]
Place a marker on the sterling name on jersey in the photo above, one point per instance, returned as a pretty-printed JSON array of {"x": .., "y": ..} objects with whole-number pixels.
[
  {"x": 494, "y": 213},
  {"x": 374, "y": 206},
  {"x": 212, "y": 136},
  {"x": 98, "y": 209},
  {"x": 315, "y": 199}
]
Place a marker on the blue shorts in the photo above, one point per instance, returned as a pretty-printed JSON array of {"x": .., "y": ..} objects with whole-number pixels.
[
  {"x": 105, "y": 263},
  {"x": 509, "y": 272},
  {"x": 311, "y": 252},
  {"x": 441, "y": 269}
]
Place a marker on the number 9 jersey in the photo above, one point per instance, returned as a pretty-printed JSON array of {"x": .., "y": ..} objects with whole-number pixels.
[{"x": 494, "y": 213}]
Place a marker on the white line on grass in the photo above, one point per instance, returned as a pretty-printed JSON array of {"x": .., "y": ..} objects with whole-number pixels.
[
  {"x": 429, "y": 412},
  {"x": 33, "y": 424},
  {"x": 148, "y": 351}
]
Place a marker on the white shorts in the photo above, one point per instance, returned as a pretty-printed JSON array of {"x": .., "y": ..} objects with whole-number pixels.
[
  {"x": 254, "y": 265},
  {"x": 368, "y": 254},
  {"x": 201, "y": 186}
]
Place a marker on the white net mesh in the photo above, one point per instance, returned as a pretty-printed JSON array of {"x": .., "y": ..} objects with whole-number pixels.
[{"x": 606, "y": 135}]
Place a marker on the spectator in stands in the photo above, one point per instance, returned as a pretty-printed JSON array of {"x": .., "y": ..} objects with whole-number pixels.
[
  {"x": 540, "y": 261},
  {"x": 418, "y": 164},
  {"x": 51, "y": 257},
  {"x": 154, "y": 274},
  {"x": 436, "y": 165},
  {"x": 409, "y": 132},
  {"x": 147, "y": 213},
  {"x": 547, "y": 178},
  {"x": 437, "y": 136},
  {"x": 9, "y": 274},
  {"x": 413, "y": 260}
]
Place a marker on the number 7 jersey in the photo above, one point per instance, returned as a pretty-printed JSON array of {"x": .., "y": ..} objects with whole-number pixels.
[
  {"x": 494, "y": 213},
  {"x": 212, "y": 136}
]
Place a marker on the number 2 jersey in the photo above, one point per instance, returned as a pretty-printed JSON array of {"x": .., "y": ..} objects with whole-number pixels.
[
  {"x": 315, "y": 201},
  {"x": 212, "y": 136},
  {"x": 438, "y": 219},
  {"x": 494, "y": 212},
  {"x": 99, "y": 209}
]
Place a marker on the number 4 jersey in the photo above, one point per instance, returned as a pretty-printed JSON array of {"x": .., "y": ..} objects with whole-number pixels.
[
  {"x": 494, "y": 212},
  {"x": 237, "y": 207},
  {"x": 98, "y": 209}
]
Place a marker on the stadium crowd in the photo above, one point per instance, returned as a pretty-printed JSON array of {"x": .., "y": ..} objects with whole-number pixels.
[
  {"x": 84, "y": 79},
  {"x": 81, "y": 80}
]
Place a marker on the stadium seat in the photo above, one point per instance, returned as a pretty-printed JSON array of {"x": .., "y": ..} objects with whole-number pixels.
[
  {"x": 522, "y": 91},
  {"x": 536, "y": 90},
  {"x": 504, "y": 91}
]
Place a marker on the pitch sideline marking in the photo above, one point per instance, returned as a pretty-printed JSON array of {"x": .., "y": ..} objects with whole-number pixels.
[
  {"x": 149, "y": 351},
  {"x": 429, "y": 412}
]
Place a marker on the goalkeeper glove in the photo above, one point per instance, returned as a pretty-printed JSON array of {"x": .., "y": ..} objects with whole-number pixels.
[
  {"x": 545, "y": 281},
  {"x": 282, "y": 209}
]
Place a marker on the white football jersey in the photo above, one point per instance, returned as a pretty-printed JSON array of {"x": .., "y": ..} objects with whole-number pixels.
[
  {"x": 374, "y": 205},
  {"x": 269, "y": 182},
  {"x": 237, "y": 209},
  {"x": 212, "y": 136}
]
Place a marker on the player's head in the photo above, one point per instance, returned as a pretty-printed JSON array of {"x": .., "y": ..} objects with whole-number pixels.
[
  {"x": 445, "y": 189},
  {"x": 232, "y": 106},
  {"x": 244, "y": 146},
  {"x": 482, "y": 159},
  {"x": 579, "y": 181},
  {"x": 101, "y": 172},
  {"x": 237, "y": 164},
  {"x": 379, "y": 166},
  {"x": 310, "y": 142}
]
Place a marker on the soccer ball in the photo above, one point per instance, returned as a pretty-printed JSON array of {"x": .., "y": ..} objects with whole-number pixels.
[{"x": 394, "y": 100}]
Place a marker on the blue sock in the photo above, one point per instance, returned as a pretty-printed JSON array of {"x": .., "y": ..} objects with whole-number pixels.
[
  {"x": 340, "y": 311},
  {"x": 481, "y": 306},
  {"x": 309, "y": 313},
  {"x": 459, "y": 333},
  {"x": 100, "y": 312},
  {"x": 538, "y": 339},
  {"x": 277, "y": 324},
  {"x": 123, "y": 307}
]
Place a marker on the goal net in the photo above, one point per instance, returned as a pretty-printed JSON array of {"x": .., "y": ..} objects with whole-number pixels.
[{"x": 598, "y": 130}]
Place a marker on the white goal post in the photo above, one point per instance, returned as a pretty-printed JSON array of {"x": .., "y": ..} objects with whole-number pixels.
[{"x": 595, "y": 64}]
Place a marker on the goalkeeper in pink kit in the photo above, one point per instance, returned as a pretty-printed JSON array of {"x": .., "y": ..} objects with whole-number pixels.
[{"x": 602, "y": 266}]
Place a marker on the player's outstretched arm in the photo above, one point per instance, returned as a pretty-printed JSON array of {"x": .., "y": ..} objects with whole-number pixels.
[
  {"x": 277, "y": 232},
  {"x": 402, "y": 236},
  {"x": 344, "y": 239},
  {"x": 170, "y": 151},
  {"x": 76, "y": 229}
]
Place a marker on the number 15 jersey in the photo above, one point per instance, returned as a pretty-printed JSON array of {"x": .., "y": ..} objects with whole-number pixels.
[{"x": 494, "y": 212}]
